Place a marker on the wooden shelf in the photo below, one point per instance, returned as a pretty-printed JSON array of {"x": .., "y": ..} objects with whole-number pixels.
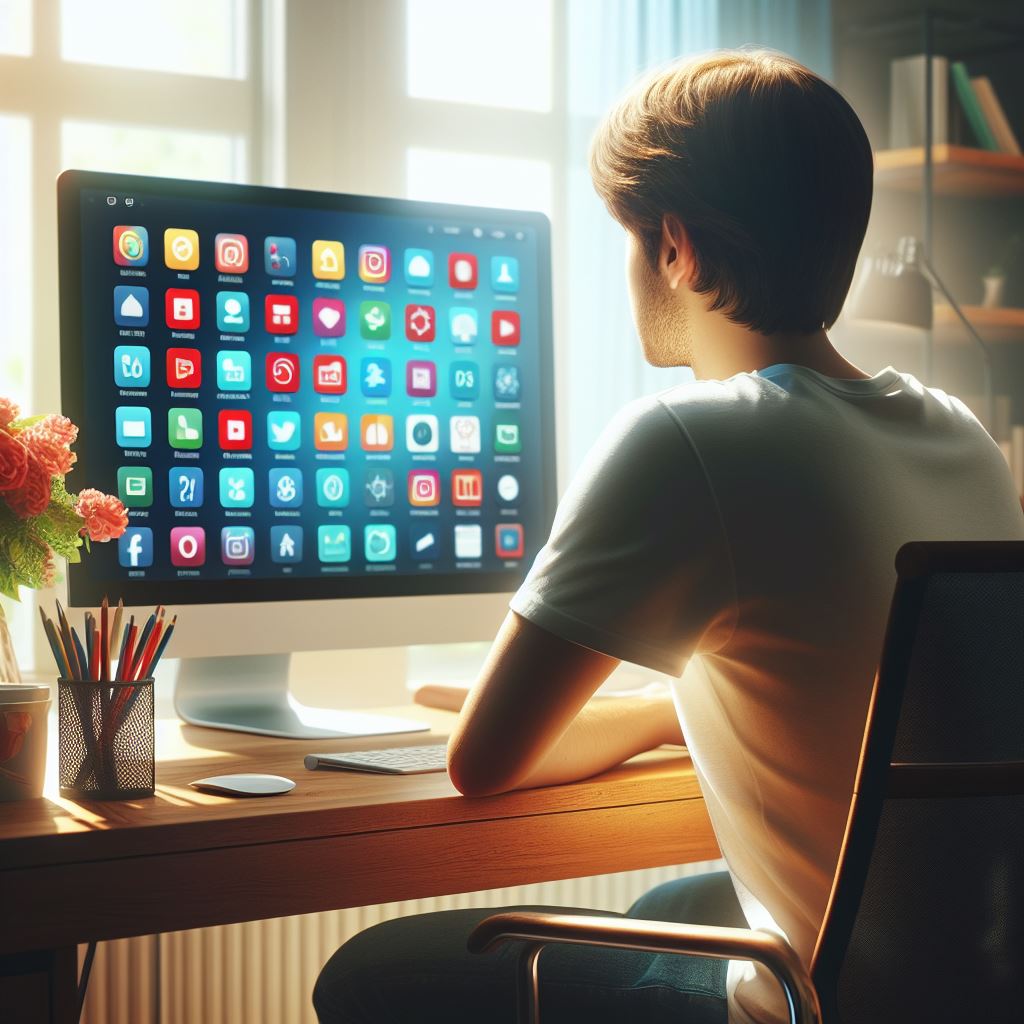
[
  {"x": 994, "y": 325},
  {"x": 958, "y": 171}
]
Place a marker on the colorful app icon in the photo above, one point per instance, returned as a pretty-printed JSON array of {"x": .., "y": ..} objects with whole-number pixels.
[
  {"x": 419, "y": 268},
  {"x": 234, "y": 370},
  {"x": 508, "y": 540},
  {"x": 334, "y": 543},
  {"x": 181, "y": 248},
  {"x": 463, "y": 324},
  {"x": 133, "y": 426},
  {"x": 184, "y": 368},
  {"x": 285, "y": 488},
  {"x": 375, "y": 321},
  {"x": 328, "y": 260},
  {"x": 135, "y": 486},
  {"x": 505, "y": 327},
  {"x": 421, "y": 434},
  {"x": 284, "y": 431},
  {"x": 329, "y": 375},
  {"x": 462, "y": 271},
  {"x": 237, "y": 487},
  {"x": 507, "y": 488},
  {"x": 135, "y": 547},
  {"x": 374, "y": 263},
  {"x": 181, "y": 309},
  {"x": 330, "y": 431},
  {"x": 131, "y": 245},
  {"x": 379, "y": 488},
  {"x": 279, "y": 256},
  {"x": 185, "y": 428},
  {"x": 234, "y": 430},
  {"x": 377, "y": 432},
  {"x": 231, "y": 253},
  {"x": 286, "y": 544},
  {"x": 375, "y": 377},
  {"x": 504, "y": 273},
  {"x": 281, "y": 314},
  {"x": 467, "y": 488},
  {"x": 465, "y": 380},
  {"x": 188, "y": 546},
  {"x": 131, "y": 306},
  {"x": 185, "y": 487},
  {"x": 282, "y": 372},
  {"x": 424, "y": 488},
  {"x": 506, "y": 383},
  {"x": 420, "y": 323},
  {"x": 424, "y": 543},
  {"x": 237, "y": 545},
  {"x": 379, "y": 542},
  {"x": 232, "y": 312},
  {"x": 469, "y": 543},
  {"x": 328, "y": 318},
  {"x": 464, "y": 432},
  {"x": 507, "y": 440},
  {"x": 420, "y": 378},
  {"x": 131, "y": 366},
  {"x": 332, "y": 488}
]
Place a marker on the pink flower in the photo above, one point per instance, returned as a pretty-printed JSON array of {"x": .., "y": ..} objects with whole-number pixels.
[
  {"x": 13, "y": 461},
  {"x": 8, "y": 412},
  {"x": 49, "y": 440},
  {"x": 33, "y": 496},
  {"x": 105, "y": 517}
]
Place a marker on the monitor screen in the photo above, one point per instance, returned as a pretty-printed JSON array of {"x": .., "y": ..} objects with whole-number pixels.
[{"x": 302, "y": 395}]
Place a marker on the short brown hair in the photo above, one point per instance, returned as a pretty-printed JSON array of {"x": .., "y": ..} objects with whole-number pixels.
[{"x": 766, "y": 166}]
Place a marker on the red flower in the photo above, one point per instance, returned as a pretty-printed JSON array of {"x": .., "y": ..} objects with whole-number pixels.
[
  {"x": 13, "y": 462},
  {"x": 8, "y": 412},
  {"x": 49, "y": 441},
  {"x": 105, "y": 517},
  {"x": 33, "y": 496}
]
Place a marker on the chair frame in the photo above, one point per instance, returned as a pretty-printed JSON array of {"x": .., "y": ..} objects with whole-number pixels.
[{"x": 811, "y": 996}]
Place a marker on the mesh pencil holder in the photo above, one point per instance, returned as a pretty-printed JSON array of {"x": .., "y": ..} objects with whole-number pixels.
[{"x": 106, "y": 739}]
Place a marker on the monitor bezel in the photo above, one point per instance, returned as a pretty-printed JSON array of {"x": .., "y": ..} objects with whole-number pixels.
[{"x": 84, "y": 589}]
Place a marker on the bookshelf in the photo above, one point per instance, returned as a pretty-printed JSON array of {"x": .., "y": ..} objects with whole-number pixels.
[
  {"x": 956, "y": 171},
  {"x": 996, "y": 326}
]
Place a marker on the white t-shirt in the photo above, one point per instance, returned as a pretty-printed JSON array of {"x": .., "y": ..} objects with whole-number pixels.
[{"x": 740, "y": 535}]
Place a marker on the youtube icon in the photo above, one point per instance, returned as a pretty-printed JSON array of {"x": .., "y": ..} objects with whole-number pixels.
[
  {"x": 234, "y": 429},
  {"x": 505, "y": 327}
]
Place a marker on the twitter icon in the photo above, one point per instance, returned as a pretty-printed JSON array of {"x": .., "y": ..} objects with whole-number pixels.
[{"x": 284, "y": 431}]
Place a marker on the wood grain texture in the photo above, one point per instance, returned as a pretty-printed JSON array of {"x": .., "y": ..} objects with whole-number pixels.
[
  {"x": 957, "y": 170},
  {"x": 73, "y": 871}
]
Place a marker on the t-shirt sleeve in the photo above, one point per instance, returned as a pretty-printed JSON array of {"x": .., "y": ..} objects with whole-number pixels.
[{"x": 637, "y": 565}]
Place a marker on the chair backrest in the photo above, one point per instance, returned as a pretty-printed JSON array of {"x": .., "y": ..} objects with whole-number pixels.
[{"x": 926, "y": 919}]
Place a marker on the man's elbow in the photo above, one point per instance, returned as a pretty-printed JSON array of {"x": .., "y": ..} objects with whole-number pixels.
[{"x": 475, "y": 775}]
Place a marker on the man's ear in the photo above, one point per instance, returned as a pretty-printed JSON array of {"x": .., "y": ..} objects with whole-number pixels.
[{"x": 675, "y": 254}]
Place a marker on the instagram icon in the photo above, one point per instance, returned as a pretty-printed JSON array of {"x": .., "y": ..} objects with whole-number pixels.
[
  {"x": 231, "y": 254},
  {"x": 374, "y": 263},
  {"x": 424, "y": 487}
]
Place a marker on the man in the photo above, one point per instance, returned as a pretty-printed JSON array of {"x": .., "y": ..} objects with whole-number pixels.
[{"x": 737, "y": 533}]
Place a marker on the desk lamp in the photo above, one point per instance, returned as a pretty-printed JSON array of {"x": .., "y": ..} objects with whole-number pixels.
[{"x": 897, "y": 289}]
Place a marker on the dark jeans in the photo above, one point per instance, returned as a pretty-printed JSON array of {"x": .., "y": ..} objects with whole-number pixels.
[{"x": 418, "y": 969}]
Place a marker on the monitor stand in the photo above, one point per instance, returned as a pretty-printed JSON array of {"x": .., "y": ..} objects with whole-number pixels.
[{"x": 249, "y": 693}]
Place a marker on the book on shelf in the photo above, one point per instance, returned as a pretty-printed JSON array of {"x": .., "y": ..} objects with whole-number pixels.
[
  {"x": 971, "y": 107},
  {"x": 1002, "y": 132},
  {"x": 907, "y": 101}
]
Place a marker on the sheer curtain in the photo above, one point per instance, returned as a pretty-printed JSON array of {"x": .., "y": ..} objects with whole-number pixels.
[{"x": 610, "y": 43}]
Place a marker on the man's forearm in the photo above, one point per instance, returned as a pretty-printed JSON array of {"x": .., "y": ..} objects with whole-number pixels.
[{"x": 606, "y": 732}]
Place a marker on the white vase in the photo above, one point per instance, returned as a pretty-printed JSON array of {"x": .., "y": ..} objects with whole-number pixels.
[
  {"x": 993, "y": 297},
  {"x": 8, "y": 662}
]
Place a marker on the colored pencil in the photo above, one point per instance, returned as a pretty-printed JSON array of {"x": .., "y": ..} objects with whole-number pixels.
[
  {"x": 140, "y": 647},
  {"x": 147, "y": 654},
  {"x": 69, "y": 645},
  {"x": 151, "y": 669},
  {"x": 104, "y": 642},
  {"x": 63, "y": 669}
]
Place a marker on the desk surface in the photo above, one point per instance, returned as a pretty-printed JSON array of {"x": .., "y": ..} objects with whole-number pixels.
[{"x": 184, "y": 859}]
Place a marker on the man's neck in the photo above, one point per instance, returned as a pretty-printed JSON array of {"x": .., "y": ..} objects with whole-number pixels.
[{"x": 721, "y": 349}]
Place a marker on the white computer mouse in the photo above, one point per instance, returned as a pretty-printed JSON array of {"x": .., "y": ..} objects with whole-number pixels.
[{"x": 246, "y": 784}]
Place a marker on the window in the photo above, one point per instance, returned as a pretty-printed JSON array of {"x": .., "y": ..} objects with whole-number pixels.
[
  {"x": 502, "y": 181},
  {"x": 16, "y": 27}
]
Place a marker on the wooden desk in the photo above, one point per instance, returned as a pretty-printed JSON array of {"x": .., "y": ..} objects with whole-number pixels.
[{"x": 71, "y": 872}]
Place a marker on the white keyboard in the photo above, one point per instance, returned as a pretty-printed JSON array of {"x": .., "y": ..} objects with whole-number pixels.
[{"x": 393, "y": 761}]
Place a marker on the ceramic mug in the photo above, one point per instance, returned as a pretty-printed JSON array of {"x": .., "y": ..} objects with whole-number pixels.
[{"x": 24, "y": 713}]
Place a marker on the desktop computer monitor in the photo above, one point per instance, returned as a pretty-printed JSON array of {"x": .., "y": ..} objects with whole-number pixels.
[{"x": 330, "y": 417}]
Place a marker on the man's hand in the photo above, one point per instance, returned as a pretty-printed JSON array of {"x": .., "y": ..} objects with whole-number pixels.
[{"x": 527, "y": 721}]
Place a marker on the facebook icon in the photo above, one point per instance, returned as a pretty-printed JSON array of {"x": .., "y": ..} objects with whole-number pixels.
[{"x": 135, "y": 548}]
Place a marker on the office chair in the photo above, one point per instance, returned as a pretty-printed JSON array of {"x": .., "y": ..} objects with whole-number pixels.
[{"x": 926, "y": 917}]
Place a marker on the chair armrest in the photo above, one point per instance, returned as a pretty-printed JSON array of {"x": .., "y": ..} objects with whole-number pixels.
[{"x": 538, "y": 930}]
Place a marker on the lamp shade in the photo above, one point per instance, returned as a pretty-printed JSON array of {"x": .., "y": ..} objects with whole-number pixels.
[{"x": 893, "y": 289}]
